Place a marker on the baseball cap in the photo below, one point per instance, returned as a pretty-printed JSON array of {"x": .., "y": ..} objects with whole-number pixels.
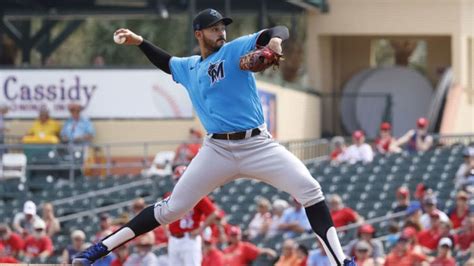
[
  {"x": 235, "y": 230},
  {"x": 403, "y": 191},
  {"x": 29, "y": 208},
  {"x": 358, "y": 134},
  {"x": 385, "y": 126},
  {"x": 430, "y": 200},
  {"x": 422, "y": 122},
  {"x": 413, "y": 207},
  {"x": 420, "y": 190},
  {"x": 207, "y": 18},
  {"x": 366, "y": 229},
  {"x": 445, "y": 241},
  {"x": 78, "y": 234}
]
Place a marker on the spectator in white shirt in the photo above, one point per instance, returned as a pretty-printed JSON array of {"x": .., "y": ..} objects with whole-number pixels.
[
  {"x": 23, "y": 221},
  {"x": 359, "y": 151},
  {"x": 259, "y": 225},
  {"x": 462, "y": 174},
  {"x": 278, "y": 207},
  {"x": 429, "y": 206}
]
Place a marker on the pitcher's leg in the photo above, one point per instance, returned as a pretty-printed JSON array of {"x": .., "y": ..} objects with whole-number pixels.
[{"x": 275, "y": 165}]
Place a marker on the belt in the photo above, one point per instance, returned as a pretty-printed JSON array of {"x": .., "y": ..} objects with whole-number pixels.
[
  {"x": 178, "y": 235},
  {"x": 237, "y": 135}
]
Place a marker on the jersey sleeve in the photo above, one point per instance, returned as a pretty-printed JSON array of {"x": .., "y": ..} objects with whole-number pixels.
[
  {"x": 206, "y": 206},
  {"x": 245, "y": 44},
  {"x": 251, "y": 251},
  {"x": 179, "y": 67}
]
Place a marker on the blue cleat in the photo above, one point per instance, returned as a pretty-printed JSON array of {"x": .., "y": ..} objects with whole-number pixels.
[
  {"x": 349, "y": 262},
  {"x": 91, "y": 254}
]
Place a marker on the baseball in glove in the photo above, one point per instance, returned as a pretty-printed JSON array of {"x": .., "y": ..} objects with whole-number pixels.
[{"x": 260, "y": 59}]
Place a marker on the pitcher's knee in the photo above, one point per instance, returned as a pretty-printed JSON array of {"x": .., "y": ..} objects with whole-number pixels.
[
  {"x": 166, "y": 215},
  {"x": 310, "y": 195}
]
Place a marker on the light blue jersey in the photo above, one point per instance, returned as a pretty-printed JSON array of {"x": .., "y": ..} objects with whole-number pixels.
[{"x": 224, "y": 96}]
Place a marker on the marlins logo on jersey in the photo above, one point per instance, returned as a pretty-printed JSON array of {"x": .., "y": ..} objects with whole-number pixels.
[{"x": 216, "y": 71}]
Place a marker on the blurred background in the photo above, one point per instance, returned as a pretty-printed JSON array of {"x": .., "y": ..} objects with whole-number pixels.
[{"x": 376, "y": 97}]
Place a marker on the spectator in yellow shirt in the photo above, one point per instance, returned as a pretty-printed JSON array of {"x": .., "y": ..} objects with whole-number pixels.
[{"x": 45, "y": 130}]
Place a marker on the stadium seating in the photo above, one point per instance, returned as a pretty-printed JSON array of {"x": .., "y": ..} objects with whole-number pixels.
[{"x": 369, "y": 189}]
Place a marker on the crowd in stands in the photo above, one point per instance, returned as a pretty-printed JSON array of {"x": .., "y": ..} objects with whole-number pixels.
[{"x": 425, "y": 236}]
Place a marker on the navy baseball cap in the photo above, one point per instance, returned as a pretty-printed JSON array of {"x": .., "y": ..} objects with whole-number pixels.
[{"x": 209, "y": 17}]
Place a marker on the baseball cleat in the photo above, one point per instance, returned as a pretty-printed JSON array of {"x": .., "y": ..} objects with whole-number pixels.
[
  {"x": 349, "y": 262},
  {"x": 91, "y": 254}
]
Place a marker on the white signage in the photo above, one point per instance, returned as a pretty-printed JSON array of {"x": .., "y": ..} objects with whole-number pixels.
[{"x": 104, "y": 93}]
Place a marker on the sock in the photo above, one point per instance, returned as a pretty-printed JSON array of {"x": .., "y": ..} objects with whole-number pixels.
[
  {"x": 321, "y": 222},
  {"x": 144, "y": 222}
]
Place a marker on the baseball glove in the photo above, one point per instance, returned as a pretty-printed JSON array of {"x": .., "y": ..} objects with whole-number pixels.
[{"x": 260, "y": 59}]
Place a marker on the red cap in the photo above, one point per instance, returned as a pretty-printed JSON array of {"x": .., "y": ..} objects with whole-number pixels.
[
  {"x": 385, "y": 126},
  {"x": 422, "y": 122},
  {"x": 409, "y": 232},
  {"x": 420, "y": 190},
  {"x": 234, "y": 230},
  {"x": 366, "y": 229},
  {"x": 358, "y": 134},
  {"x": 403, "y": 191},
  {"x": 179, "y": 171}
]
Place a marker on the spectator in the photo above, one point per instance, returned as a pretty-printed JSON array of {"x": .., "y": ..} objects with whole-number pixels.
[
  {"x": 5, "y": 258},
  {"x": 12, "y": 242},
  {"x": 45, "y": 130},
  {"x": 340, "y": 214},
  {"x": 23, "y": 221},
  {"x": 98, "y": 61},
  {"x": 429, "y": 238},
  {"x": 363, "y": 254},
  {"x": 220, "y": 229},
  {"x": 461, "y": 210},
  {"x": 444, "y": 257},
  {"x": 410, "y": 234},
  {"x": 137, "y": 206},
  {"x": 414, "y": 213},
  {"x": 302, "y": 255},
  {"x": 278, "y": 207},
  {"x": 77, "y": 245},
  {"x": 121, "y": 255},
  {"x": 402, "y": 255},
  {"x": 421, "y": 191},
  {"x": 366, "y": 233},
  {"x": 403, "y": 199},
  {"x": 318, "y": 257},
  {"x": 77, "y": 129},
  {"x": 186, "y": 151},
  {"x": 52, "y": 223},
  {"x": 359, "y": 151},
  {"x": 260, "y": 223},
  {"x": 106, "y": 227},
  {"x": 38, "y": 244},
  {"x": 384, "y": 143},
  {"x": 143, "y": 255},
  {"x": 211, "y": 256},
  {"x": 465, "y": 235},
  {"x": 242, "y": 253},
  {"x": 294, "y": 221},
  {"x": 461, "y": 178},
  {"x": 417, "y": 139},
  {"x": 429, "y": 204},
  {"x": 288, "y": 254},
  {"x": 393, "y": 234},
  {"x": 338, "y": 148}
]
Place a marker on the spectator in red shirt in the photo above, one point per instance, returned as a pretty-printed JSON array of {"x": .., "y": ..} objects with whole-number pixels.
[
  {"x": 385, "y": 142},
  {"x": 4, "y": 257},
  {"x": 240, "y": 253},
  {"x": 121, "y": 255},
  {"x": 12, "y": 242},
  {"x": 78, "y": 244},
  {"x": 185, "y": 245},
  {"x": 461, "y": 211},
  {"x": 444, "y": 257},
  {"x": 402, "y": 255},
  {"x": 211, "y": 256},
  {"x": 186, "y": 151},
  {"x": 220, "y": 229},
  {"x": 403, "y": 199},
  {"x": 340, "y": 214},
  {"x": 465, "y": 236},
  {"x": 38, "y": 244},
  {"x": 429, "y": 238}
]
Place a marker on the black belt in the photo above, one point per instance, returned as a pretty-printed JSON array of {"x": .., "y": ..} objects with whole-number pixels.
[{"x": 236, "y": 135}]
